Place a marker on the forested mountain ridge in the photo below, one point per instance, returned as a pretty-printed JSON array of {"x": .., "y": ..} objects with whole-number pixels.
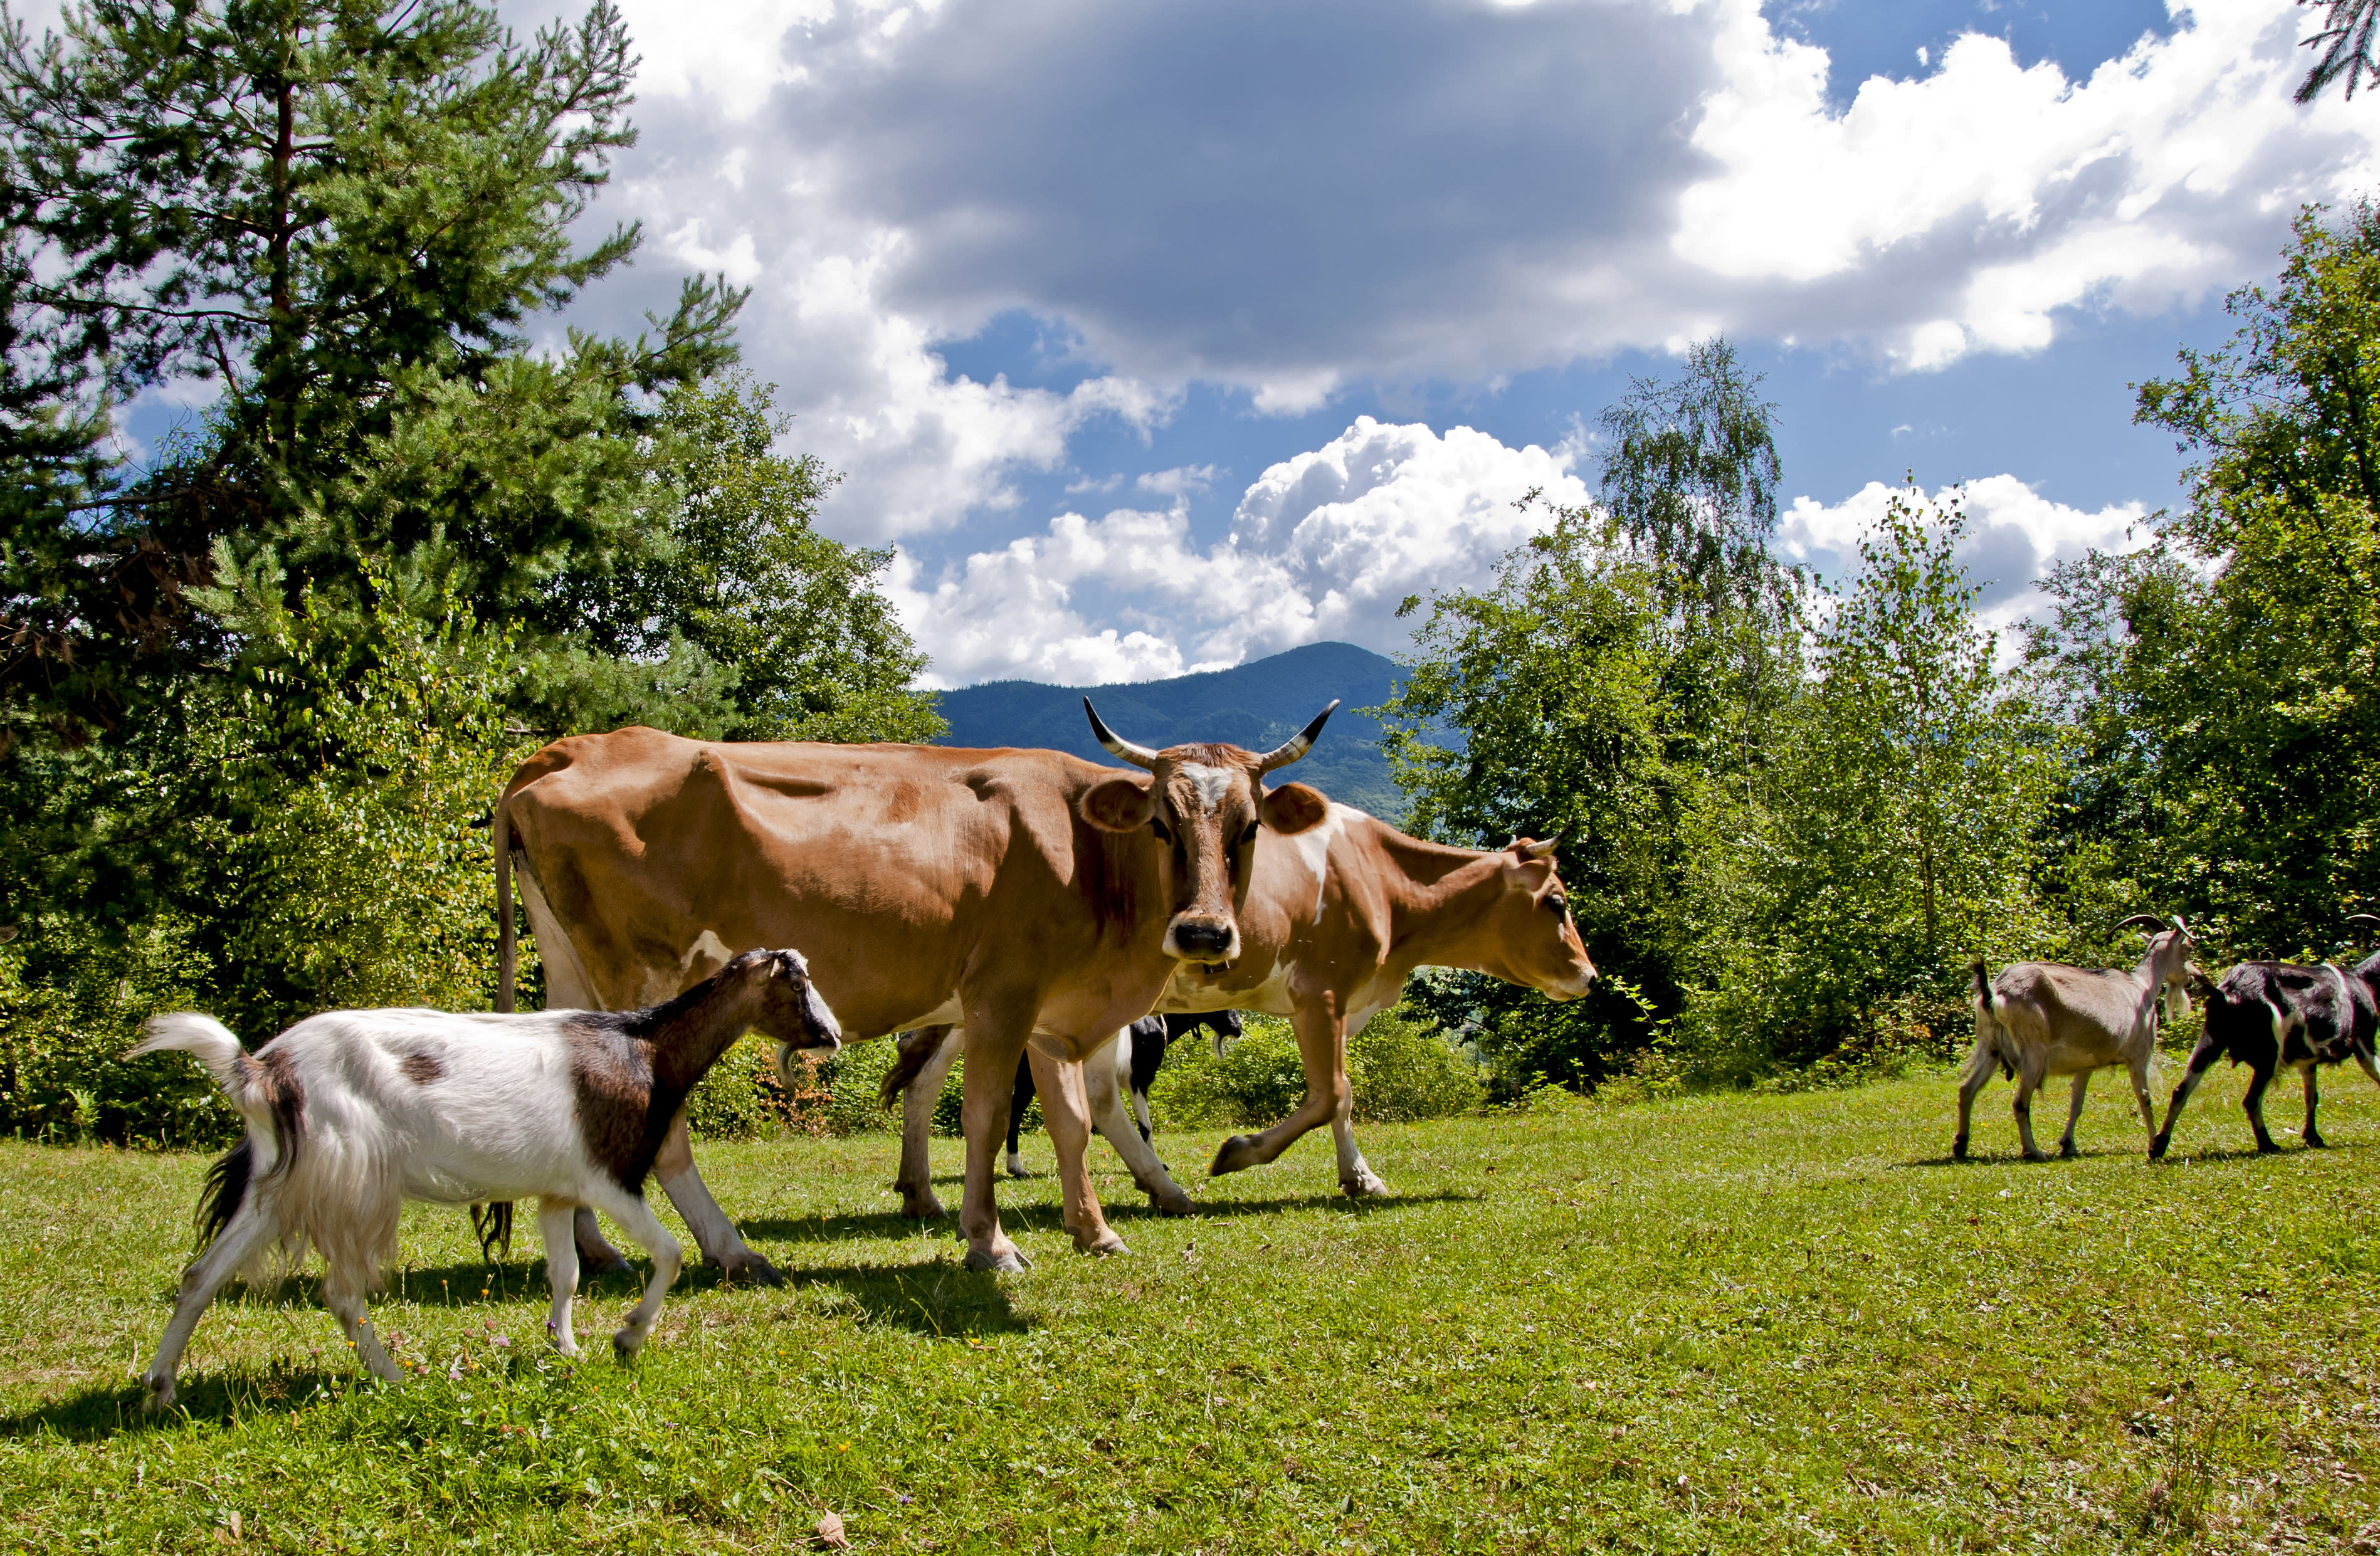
[{"x": 1258, "y": 705}]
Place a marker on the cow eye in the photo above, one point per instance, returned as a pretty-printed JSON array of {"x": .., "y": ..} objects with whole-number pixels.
[
  {"x": 1559, "y": 902},
  {"x": 1248, "y": 838},
  {"x": 1164, "y": 833}
]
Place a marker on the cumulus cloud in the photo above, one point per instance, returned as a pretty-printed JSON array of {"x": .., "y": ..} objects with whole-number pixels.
[
  {"x": 1284, "y": 201},
  {"x": 2014, "y": 534},
  {"x": 1323, "y": 546}
]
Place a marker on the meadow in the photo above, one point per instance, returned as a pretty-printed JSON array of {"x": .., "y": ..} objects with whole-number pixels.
[{"x": 1748, "y": 1322}]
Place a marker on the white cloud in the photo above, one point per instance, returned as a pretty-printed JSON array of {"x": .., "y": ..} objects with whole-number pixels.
[
  {"x": 1323, "y": 546},
  {"x": 2014, "y": 535}
]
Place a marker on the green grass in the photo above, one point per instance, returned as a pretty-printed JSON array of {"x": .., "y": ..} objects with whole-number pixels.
[{"x": 1749, "y": 1323}]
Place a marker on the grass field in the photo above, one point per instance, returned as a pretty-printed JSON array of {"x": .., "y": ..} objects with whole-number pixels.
[{"x": 1749, "y": 1323}]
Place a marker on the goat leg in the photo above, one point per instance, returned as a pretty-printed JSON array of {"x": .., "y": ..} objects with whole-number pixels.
[
  {"x": 2254, "y": 1104},
  {"x": 2313, "y": 1136},
  {"x": 2066, "y": 1151}
]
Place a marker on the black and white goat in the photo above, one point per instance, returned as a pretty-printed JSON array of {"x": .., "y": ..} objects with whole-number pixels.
[
  {"x": 2040, "y": 1019},
  {"x": 2267, "y": 1015},
  {"x": 1139, "y": 1052},
  {"x": 352, "y": 1113}
]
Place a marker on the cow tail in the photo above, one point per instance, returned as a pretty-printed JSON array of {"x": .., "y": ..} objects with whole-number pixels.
[
  {"x": 916, "y": 1051},
  {"x": 508, "y": 949}
]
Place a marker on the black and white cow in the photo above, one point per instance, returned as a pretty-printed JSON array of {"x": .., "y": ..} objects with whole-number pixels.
[
  {"x": 2268, "y": 1014},
  {"x": 1139, "y": 1052}
]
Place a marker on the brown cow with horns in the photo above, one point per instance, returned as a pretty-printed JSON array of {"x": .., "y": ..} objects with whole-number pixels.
[{"x": 1029, "y": 894}]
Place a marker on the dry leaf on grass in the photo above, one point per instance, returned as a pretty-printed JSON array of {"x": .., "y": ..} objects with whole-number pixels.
[{"x": 830, "y": 1532}]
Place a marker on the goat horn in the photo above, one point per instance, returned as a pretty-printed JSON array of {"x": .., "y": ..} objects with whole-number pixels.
[
  {"x": 2363, "y": 918},
  {"x": 2149, "y": 918},
  {"x": 1139, "y": 756},
  {"x": 1296, "y": 745}
]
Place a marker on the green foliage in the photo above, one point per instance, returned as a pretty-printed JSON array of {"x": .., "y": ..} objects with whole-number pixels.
[
  {"x": 2221, "y": 687},
  {"x": 1399, "y": 1066}
]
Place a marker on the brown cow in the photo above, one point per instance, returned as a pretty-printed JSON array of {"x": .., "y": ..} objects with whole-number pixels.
[
  {"x": 1028, "y": 892},
  {"x": 1335, "y": 923}
]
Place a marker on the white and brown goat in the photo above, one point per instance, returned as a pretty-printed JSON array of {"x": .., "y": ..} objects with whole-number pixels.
[
  {"x": 2040, "y": 1019},
  {"x": 352, "y": 1113}
]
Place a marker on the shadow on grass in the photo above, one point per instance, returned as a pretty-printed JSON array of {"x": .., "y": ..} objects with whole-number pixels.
[
  {"x": 216, "y": 1398},
  {"x": 940, "y": 1297},
  {"x": 2172, "y": 1158}
]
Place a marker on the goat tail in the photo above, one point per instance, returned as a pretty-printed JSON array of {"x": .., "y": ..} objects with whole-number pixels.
[
  {"x": 916, "y": 1051},
  {"x": 493, "y": 1223},
  {"x": 1983, "y": 988},
  {"x": 500, "y": 832},
  {"x": 205, "y": 1040},
  {"x": 225, "y": 1191}
]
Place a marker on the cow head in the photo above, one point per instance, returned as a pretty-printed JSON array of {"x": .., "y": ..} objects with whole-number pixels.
[
  {"x": 1204, "y": 805},
  {"x": 1530, "y": 937}
]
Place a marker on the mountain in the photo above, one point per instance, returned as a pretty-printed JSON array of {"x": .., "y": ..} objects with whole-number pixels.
[{"x": 1258, "y": 705}]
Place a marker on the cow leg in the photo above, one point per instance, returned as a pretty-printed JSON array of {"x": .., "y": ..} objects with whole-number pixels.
[
  {"x": 1101, "y": 1073},
  {"x": 2202, "y": 1059},
  {"x": 1017, "y": 1102},
  {"x": 2313, "y": 1136},
  {"x": 1066, "y": 1113},
  {"x": 1322, "y": 1045},
  {"x": 2254, "y": 1104},
  {"x": 917, "y": 1180},
  {"x": 996, "y": 1034},
  {"x": 2073, "y": 1115},
  {"x": 713, "y": 1232}
]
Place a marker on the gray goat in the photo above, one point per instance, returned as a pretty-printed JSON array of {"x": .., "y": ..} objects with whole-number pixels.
[{"x": 2039, "y": 1019}]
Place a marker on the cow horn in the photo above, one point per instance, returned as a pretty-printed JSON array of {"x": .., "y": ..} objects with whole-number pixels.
[
  {"x": 1540, "y": 850},
  {"x": 1297, "y": 745},
  {"x": 1139, "y": 756},
  {"x": 2149, "y": 918}
]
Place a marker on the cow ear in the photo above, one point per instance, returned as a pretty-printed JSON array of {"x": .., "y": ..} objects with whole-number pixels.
[
  {"x": 1118, "y": 805},
  {"x": 1293, "y": 807}
]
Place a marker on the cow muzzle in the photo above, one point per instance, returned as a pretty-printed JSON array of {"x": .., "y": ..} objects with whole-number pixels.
[{"x": 1189, "y": 939}]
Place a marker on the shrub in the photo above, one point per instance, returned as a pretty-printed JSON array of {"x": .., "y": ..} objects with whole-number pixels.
[{"x": 1400, "y": 1066}]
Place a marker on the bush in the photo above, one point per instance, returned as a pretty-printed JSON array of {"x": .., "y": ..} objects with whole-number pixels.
[
  {"x": 1400, "y": 1066},
  {"x": 62, "y": 1038}
]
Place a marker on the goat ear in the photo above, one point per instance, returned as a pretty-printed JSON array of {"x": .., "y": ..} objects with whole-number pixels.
[
  {"x": 1293, "y": 808},
  {"x": 1119, "y": 805}
]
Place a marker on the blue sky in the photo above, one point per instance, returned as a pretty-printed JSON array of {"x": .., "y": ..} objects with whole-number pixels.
[{"x": 1160, "y": 334}]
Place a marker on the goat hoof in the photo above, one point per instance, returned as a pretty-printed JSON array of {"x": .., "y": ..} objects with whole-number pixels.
[
  {"x": 623, "y": 1350},
  {"x": 2158, "y": 1148},
  {"x": 747, "y": 1266},
  {"x": 1010, "y": 1262},
  {"x": 2315, "y": 1142},
  {"x": 2068, "y": 1153},
  {"x": 608, "y": 1262},
  {"x": 1172, "y": 1203},
  {"x": 160, "y": 1394},
  {"x": 1236, "y": 1153}
]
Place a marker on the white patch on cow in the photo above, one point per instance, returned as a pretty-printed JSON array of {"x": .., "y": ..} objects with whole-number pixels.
[
  {"x": 706, "y": 944},
  {"x": 1211, "y": 784},
  {"x": 1313, "y": 846}
]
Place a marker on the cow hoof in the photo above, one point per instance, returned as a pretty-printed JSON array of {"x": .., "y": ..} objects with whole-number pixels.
[
  {"x": 2068, "y": 1153},
  {"x": 1172, "y": 1202},
  {"x": 1100, "y": 1246},
  {"x": 608, "y": 1262},
  {"x": 920, "y": 1206},
  {"x": 1238, "y": 1152},
  {"x": 1008, "y": 1262},
  {"x": 2267, "y": 1147},
  {"x": 2315, "y": 1142},
  {"x": 2034, "y": 1156},
  {"x": 747, "y": 1266},
  {"x": 2157, "y": 1147},
  {"x": 1365, "y": 1184},
  {"x": 1959, "y": 1149}
]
